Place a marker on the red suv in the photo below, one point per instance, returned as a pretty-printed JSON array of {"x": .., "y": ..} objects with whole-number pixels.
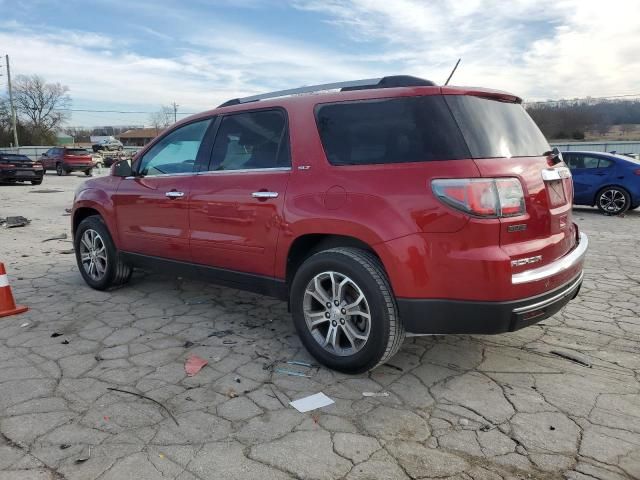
[
  {"x": 66, "y": 160},
  {"x": 389, "y": 206}
]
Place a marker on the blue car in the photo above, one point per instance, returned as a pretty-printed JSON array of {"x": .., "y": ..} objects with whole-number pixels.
[{"x": 610, "y": 182}]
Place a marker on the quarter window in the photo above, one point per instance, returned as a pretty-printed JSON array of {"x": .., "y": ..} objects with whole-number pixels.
[
  {"x": 251, "y": 140},
  {"x": 175, "y": 153}
]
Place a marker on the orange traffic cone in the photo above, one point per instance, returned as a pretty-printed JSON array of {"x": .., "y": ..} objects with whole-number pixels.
[{"x": 7, "y": 305}]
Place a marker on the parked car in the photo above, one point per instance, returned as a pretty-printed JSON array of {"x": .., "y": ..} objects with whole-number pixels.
[
  {"x": 107, "y": 144},
  {"x": 610, "y": 182},
  {"x": 66, "y": 160},
  {"x": 19, "y": 168},
  {"x": 387, "y": 207}
]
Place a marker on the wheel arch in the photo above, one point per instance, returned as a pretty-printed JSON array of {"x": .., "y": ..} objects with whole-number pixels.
[
  {"x": 310, "y": 243},
  {"x": 95, "y": 202}
]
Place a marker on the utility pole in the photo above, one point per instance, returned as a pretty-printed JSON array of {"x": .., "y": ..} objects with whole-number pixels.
[
  {"x": 13, "y": 110},
  {"x": 175, "y": 111}
]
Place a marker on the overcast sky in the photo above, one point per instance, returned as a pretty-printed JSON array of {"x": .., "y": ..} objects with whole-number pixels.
[{"x": 138, "y": 55}]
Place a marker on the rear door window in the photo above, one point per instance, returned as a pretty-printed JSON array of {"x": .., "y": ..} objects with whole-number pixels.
[
  {"x": 251, "y": 140},
  {"x": 390, "y": 130}
]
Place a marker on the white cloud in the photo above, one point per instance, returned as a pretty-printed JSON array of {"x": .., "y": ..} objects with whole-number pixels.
[{"x": 535, "y": 48}]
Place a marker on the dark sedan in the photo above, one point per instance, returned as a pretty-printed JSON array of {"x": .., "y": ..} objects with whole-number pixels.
[{"x": 19, "y": 168}]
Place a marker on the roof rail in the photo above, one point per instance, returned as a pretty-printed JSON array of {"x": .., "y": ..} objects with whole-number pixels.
[{"x": 366, "y": 84}]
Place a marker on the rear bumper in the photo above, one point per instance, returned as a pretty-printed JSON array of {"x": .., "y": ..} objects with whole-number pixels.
[
  {"x": 434, "y": 316},
  {"x": 21, "y": 175},
  {"x": 74, "y": 167}
]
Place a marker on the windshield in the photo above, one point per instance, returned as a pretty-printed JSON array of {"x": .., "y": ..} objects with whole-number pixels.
[
  {"x": 494, "y": 128},
  {"x": 76, "y": 151}
]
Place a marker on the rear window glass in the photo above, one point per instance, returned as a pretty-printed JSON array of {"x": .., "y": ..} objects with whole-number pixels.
[
  {"x": 76, "y": 151},
  {"x": 14, "y": 158},
  {"x": 396, "y": 130},
  {"x": 496, "y": 129}
]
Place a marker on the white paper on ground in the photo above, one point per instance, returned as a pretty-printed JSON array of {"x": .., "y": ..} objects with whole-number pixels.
[{"x": 311, "y": 402}]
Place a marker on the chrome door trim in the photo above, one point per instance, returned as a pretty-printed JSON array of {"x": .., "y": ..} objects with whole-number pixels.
[{"x": 264, "y": 194}]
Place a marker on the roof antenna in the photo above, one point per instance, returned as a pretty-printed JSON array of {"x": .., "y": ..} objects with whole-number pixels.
[{"x": 452, "y": 72}]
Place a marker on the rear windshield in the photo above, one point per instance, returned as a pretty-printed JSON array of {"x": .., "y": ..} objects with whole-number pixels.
[
  {"x": 14, "y": 158},
  {"x": 76, "y": 151},
  {"x": 417, "y": 129},
  {"x": 497, "y": 129}
]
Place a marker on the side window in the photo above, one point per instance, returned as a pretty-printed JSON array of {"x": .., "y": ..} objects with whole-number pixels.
[
  {"x": 604, "y": 163},
  {"x": 175, "y": 153},
  {"x": 590, "y": 162},
  {"x": 251, "y": 140},
  {"x": 571, "y": 160},
  {"x": 408, "y": 129}
]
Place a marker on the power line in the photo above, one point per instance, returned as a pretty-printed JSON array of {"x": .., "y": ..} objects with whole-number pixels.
[{"x": 114, "y": 111}]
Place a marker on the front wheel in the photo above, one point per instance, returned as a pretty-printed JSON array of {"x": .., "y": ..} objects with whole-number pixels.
[
  {"x": 59, "y": 169},
  {"x": 36, "y": 182},
  {"x": 88, "y": 172},
  {"x": 344, "y": 310},
  {"x": 613, "y": 200},
  {"x": 97, "y": 257}
]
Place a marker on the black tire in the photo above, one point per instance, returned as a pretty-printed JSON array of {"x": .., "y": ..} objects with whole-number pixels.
[
  {"x": 620, "y": 205},
  {"x": 36, "y": 182},
  {"x": 88, "y": 172},
  {"x": 117, "y": 272},
  {"x": 386, "y": 332},
  {"x": 633, "y": 207}
]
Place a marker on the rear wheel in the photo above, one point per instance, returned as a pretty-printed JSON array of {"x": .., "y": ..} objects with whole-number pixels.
[
  {"x": 36, "y": 182},
  {"x": 98, "y": 260},
  {"x": 613, "y": 200},
  {"x": 344, "y": 310},
  {"x": 88, "y": 172},
  {"x": 59, "y": 169}
]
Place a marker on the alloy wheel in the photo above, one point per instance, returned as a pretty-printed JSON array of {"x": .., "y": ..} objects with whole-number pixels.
[
  {"x": 612, "y": 200},
  {"x": 93, "y": 254},
  {"x": 337, "y": 313}
]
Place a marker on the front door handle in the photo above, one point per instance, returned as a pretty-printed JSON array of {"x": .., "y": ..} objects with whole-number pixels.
[
  {"x": 264, "y": 195},
  {"x": 173, "y": 194}
]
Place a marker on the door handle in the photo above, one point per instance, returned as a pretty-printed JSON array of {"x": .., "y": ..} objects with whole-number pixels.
[
  {"x": 173, "y": 194},
  {"x": 264, "y": 195}
]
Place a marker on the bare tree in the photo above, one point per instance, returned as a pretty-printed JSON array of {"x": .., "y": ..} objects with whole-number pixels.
[
  {"x": 162, "y": 118},
  {"x": 41, "y": 105}
]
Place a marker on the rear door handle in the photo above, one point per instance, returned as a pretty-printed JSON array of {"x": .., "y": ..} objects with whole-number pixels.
[
  {"x": 264, "y": 195},
  {"x": 173, "y": 194}
]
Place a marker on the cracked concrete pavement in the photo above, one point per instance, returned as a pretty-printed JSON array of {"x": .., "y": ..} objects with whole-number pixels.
[{"x": 458, "y": 407}]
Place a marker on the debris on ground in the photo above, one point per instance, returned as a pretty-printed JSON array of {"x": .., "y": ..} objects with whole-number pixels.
[
  {"x": 46, "y": 190},
  {"x": 292, "y": 373},
  {"x": 83, "y": 459},
  {"x": 25, "y": 324},
  {"x": 229, "y": 342},
  {"x": 188, "y": 344},
  {"x": 194, "y": 364},
  {"x": 231, "y": 393},
  {"x": 64, "y": 446},
  {"x": 65, "y": 342},
  {"x": 572, "y": 357},
  {"x": 146, "y": 398},
  {"x": 300, "y": 364},
  {"x": 375, "y": 394},
  {"x": 311, "y": 402},
  {"x": 56, "y": 334},
  {"x": 220, "y": 333},
  {"x": 67, "y": 252},
  {"x": 13, "y": 222},
  {"x": 62, "y": 236}
]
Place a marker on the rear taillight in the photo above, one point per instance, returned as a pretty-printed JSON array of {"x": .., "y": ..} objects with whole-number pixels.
[
  {"x": 482, "y": 197},
  {"x": 637, "y": 172},
  {"x": 7, "y": 165}
]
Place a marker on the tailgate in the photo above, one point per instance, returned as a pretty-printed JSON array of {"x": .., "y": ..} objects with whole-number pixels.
[{"x": 546, "y": 231}]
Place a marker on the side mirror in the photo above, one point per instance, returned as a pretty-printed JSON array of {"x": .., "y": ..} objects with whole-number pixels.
[{"x": 121, "y": 169}]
